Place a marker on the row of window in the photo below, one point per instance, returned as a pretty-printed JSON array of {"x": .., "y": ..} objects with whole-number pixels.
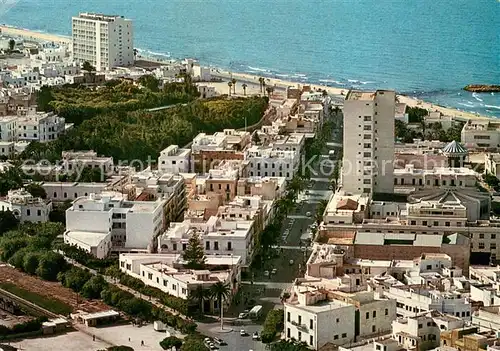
[
  {"x": 428, "y": 182},
  {"x": 273, "y": 174}
]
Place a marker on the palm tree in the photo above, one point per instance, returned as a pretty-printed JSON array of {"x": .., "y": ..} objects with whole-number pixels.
[
  {"x": 244, "y": 86},
  {"x": 200, "y": 295},
  {"x": 229, "y": 84},
  {"x": 220, "y": 291},
  {"x": 234, "y": 85},
  {"x": 269, "y": 91},
  {"x": 261, "y": 83}
]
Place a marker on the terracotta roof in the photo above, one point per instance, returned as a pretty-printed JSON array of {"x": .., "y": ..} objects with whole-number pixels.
[{"x": 347, "y": 204}]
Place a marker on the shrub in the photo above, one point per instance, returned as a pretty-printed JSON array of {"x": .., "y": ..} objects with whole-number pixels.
[{"x": 272, "y": 325}]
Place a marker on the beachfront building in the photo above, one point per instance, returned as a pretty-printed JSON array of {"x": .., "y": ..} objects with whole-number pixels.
[
  {"x": 166, "y": 272},
  {"x": 318, "y": 316},
  {"x": 438, "y": 177},
  {"x": 369, "y": 142},
  {"x": 103, "y": 41},
  {"x": 481, "y": 134},
  {"x": 96, "y": 222},
  {"x": 174, "y": 160}
]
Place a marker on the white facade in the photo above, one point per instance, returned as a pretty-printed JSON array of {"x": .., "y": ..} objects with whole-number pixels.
[
  {"x": 40, "y": 126},
  {"x": 75, "y": 161},
  {"x": 8, "y": 131},
  {"x": 318, "y": 316},
  {"x": 166, "y": 272},
  {"x": 103, "y": 41},
  {"x": 7, "y": 149},
  {"x": 369, "y": 142},
  {"x": 133, "y": 224},
  {"x": 492, "y": 164},
  {"x": 95, "y": 243},
  {"x": 25, "y": 207},
  {"x": 483, "y": 134},
  {"x": 69, "y": 191},
  {"x": 174, "y": 160},
  {"x": 268, "y": 162},
  {"x": 206, "y": 91}
]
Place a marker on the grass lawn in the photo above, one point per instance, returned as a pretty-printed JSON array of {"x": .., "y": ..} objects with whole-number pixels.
[{"x": 49, "y": 304}]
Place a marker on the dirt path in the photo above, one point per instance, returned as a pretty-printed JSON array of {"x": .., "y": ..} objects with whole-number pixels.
[{"x": 50, "y": 289}]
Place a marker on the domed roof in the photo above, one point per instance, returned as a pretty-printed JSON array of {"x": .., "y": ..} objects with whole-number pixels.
[{"x": 455, "y": 148}]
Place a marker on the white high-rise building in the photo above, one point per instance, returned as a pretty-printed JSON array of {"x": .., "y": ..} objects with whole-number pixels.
[
  {"x": 369, "y": 142},
  {"x": 104, "y": 41}
]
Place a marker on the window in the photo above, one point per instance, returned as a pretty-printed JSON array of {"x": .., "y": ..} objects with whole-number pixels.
[
  {"x": 374, "y": 314},
  {"x": 288, "y": 332},
  {"x": 386, "y": 312},
  {"x": 207, "y": 245},
  {"x": 373, "y": 329},
  {"x": 493, "y": 246},
  {"x": 28, "y": 212},
  {"x": 344, "y": 335},
  {"x": 216, "y": 245},
  {"x": 367, "y": 136},
  {"x": 311, "y": 323},
  {"x": 367, "y": 315},
  {"x": 481, "y": 236},
  {"x": 300, "y": 336},
  {"x": 367, "y": 154},
  {"x": 420, "y": 326},
  {"x": 311, "y": 340},
  {"x": 174, "y": 247},
  {"x": 493, "y": 236},
  {"x": 300, "y": 319},
  {"x": 367, "y": 127},
  {"x": 481, "y": 245},
  {"x": 447, "y": 224},
  {"x": 288, "y": 316}
]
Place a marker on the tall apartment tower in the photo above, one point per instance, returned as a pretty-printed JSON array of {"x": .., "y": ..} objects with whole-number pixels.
[
  {"x": 368, "y": 165},
  {"x": 104, "y": 41}
]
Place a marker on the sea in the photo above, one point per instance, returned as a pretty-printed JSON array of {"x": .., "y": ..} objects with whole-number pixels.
[{"x": 428, "y": 49}]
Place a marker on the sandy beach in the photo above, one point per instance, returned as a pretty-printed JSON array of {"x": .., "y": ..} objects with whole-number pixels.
[{"x": 251, "y": 80}]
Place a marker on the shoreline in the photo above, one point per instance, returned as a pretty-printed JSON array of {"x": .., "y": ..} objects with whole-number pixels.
[{"x": 253, "y": 78}]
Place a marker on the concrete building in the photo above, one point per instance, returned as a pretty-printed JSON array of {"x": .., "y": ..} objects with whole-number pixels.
[
  {"x": 166, "y": 272},
  {"x": 469, "y": 339},
  {"x": 412, "y": 178},
  {"x": 488, "y": 319},
  {"x": 8, "y": 128},
  {"x": 422, "y": 331},
  {"x": 206, "y": 91},
  {"x": 492, "y": 164},
  {"x": 174, "y": 160},
  {"x": 269, "y": 162},
  {"x": 7, "y": 149},
  {"x": 103, "y": 41},
  {"x": 132, "y": 224},
  {"x": 369, "y": 142},
  {"x": 481, "y": 134},
  {"x": 318, "y": 316},
  {"x": 25, "y": 207},
  {"x": 39, "y": 126},
  {"x": 76, "y": 161},
  {"x": 69, "y": 191}
]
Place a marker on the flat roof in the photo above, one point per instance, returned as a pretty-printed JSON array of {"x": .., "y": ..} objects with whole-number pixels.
[{"x": 91, "y": 239}]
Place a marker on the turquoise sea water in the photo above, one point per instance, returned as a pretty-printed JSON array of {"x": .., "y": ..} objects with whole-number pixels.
[{"x": 425, "y": 48}]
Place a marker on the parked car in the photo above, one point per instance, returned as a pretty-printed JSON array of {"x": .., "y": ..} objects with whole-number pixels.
[
  {"x": 243, "y": 315},
  {"x": 243, "y": 332},
  {"x": 255, "y": 336}
]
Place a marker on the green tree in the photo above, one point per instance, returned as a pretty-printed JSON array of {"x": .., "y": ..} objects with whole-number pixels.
[
  {"x": 17, "y": 260},
  {"x": 7, "y": 221},
  {"x": 170, "y": 342},
  {"x": 272, "y": 325},
  {"x": 288, "y": 345},
  {"x": 320, "y": 210},
  {"x": 12, "y": 44},
  {"x": 120, "y": 348},
  {"x": 88, "y": 67},
  {"x": 233, "y": 81},
  {"x": 193, "y": 343},
  {"x": 51, "y": 263},
  {"x": 31, "y": 262},
  {"x": 194, "y": 255},
  {"x": 75, "y": 278},
  {"x": 200, "y": 295},
  {"x": 151, "y": 82},
  {"x": 220, "y": 291},
  {"x": 43, "y": 98},
  {"x": 36, "y": 190},
  {"x": 10, "y": 179},
  {"x": 93, "y": 287},
  {"x": 11, "y": 244},
  {"x": 229, "y": 84}
]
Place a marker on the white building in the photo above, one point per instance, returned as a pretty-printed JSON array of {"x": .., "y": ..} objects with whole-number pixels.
[
  {"x": 103, "y": 41},
  {"x": 69, "y": 191},
  {"x": 369, "y": 142},
  {"x": 265, "y": 161},
  {"x": 132, "y": 224},
  {"x": 492, "y": 164},
  {"x": 8, "y": 130},
  {"x": 174, "y": 160},
  {"x": 206, "y": 91},
  {"x": 25, "y": 207},
  {"x": 40, "y": 126},
  {"x": 318, "y": 316},
  {"x": 482, "y": 133},
  {"x": 166, "y": 272},
  {"x": 75, "y": 161},
  {"x": 229, "y": 236},
  {"x": 7, "y": 149}
]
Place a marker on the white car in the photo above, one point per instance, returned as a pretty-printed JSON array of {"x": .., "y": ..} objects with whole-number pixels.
[
  {"x": 242, "y": 315},
  {"x": 243, "y": 332},
  {"x": 255, "y": 336}
]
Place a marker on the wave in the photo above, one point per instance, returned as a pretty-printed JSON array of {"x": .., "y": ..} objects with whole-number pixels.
[
  {"x": 474, "y": 95},
  {"x": 282, "y": 75},
  {"x": 146, "y": 52},
  {"x": 467, "y": 105},
  {"x": 493, "y": 106},
  {"x": 259, "y": 69},
  {"x": 368, "y": 82},
  {"x": 353, "y": 81}
]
